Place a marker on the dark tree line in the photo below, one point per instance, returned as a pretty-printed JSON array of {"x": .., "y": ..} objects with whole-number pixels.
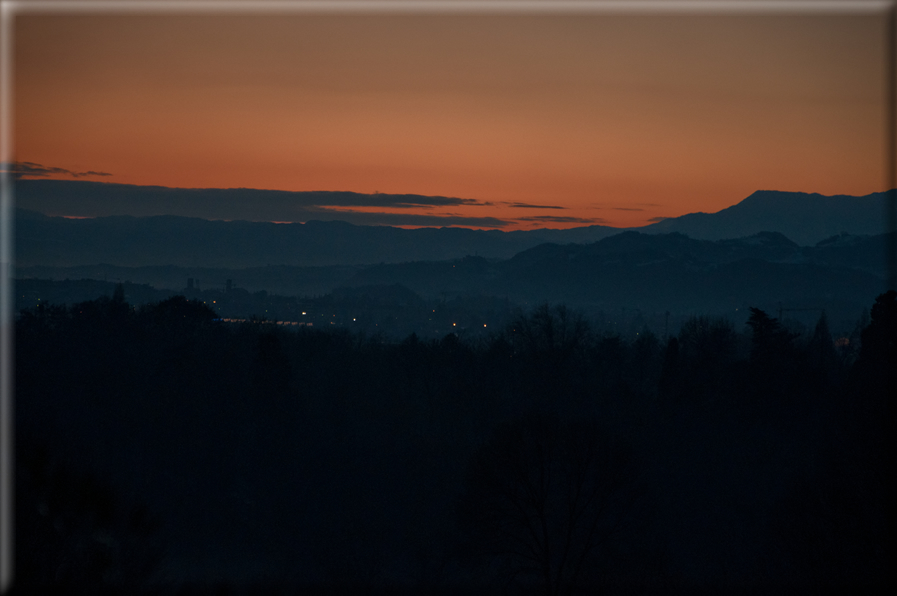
[{"x": 545, "y": 458}]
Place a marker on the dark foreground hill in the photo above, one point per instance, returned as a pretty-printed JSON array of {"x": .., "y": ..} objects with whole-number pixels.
[{"x": 156, "y": 447}]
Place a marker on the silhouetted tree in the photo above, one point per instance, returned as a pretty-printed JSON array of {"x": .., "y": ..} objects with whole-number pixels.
[
  {"x": 707, "y": 340},
  {"x": 707, "y": 349},
  {"x": 879, "y": 339},
  {"x": 272, "y": 373},
  {"x": 775, "y": 378},
  {"x": 548, "y": 344},
  {"x": 822, "y": 357},
  {"x": 877, "y": 419},
  {"x": 769, "y": 339},
  {"x": 356, "y": 480},
  {"x": 835, "y": 527},
  {"x": 645, "y": 362},
  {"x": 608, "y": 358},
  {"x": 857, "y": 333},
  {"x": 178, "y": 311},
  {"x": 545, "y": 498},
  {"x": 833, "y": 530},
  {"x": 668, "y": 385},
  {"x": 551, "y": 332},
  {"x": 119, "y": 295},
  {"x": 75, "y": 533}
]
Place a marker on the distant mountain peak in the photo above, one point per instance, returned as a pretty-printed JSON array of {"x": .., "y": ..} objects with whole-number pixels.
[
  {"x": 803, "y": 218},
  {"x": 843, "y": 239},
  {"x": 767, "y": 238}
]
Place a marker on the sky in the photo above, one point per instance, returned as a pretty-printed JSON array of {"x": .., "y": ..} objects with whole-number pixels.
[{"x": 523, "y": 121}]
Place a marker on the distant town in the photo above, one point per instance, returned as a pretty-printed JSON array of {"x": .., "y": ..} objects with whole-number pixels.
[{"x": 393, "y": 311}]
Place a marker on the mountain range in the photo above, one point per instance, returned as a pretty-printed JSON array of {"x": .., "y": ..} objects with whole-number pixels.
[
  {"x": 161, "y": 240},
  {"x": 804, "y": 218},
  {"x": 660, "y": 272},
  {"x": 771, "y": 249},
  {"x": 632, "y": 270}
]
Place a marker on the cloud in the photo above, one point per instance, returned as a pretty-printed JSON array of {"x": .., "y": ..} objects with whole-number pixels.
[
  {"x": 561, "y": 219},
  {"x": 656, "y": 219},
  {"x": 325, "y": 198},
  {"x": 375, "y": 218},
  {"x": 29, "y": 169},
  {"x": 529, "y": 206},
  {"x": 102, "y": 199},
  {"x": 602, "y": 205}
]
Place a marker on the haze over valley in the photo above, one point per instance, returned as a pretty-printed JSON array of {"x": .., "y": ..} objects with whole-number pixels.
[{"x": 684, "y": 265}]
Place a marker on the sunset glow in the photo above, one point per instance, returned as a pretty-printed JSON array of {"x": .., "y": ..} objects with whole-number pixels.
[{"x": 541, "y": 120}]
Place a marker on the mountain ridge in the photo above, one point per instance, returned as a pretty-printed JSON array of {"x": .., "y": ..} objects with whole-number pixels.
[
  {"x": 127, "y": 240},
  {"x": 653, "y": 272},
  {"x": 805, "y": 218}
]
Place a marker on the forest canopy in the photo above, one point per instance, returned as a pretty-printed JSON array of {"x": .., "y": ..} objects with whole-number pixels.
[{"x": 545, "y": 456}]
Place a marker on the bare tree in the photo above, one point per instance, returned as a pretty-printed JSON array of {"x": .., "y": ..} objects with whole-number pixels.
[
  {"x": 559, "y": 331},
  {"x": 544, "y": 498}
]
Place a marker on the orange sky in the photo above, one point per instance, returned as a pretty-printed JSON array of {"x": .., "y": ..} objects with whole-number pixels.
[{"x": 616, "y": 119}]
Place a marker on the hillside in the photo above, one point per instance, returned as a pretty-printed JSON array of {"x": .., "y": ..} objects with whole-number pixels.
[
  {"x": 802, "y": 217},
  {"x": 159, "y": 240}
]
